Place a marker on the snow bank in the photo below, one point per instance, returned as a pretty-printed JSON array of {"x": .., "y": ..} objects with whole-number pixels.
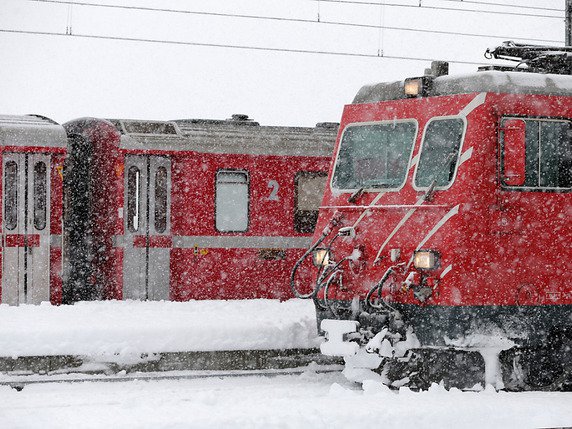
[
  {"x": 134, "y": 327},
  {"x": 317, "y": 401}
]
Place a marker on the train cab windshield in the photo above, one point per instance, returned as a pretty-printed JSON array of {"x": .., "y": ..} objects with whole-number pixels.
[
  {"x": 374, "y": 155},
  {"x": 439, "y": 152}
]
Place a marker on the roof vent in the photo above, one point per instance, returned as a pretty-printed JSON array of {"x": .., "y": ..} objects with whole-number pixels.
[
  {"x": 239, "y": 117},
  {"x": 148, "y": 127},
  {"x": 328, "y": 125}
]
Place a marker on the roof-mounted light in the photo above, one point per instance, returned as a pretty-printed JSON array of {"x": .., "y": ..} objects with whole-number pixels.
[{"x": 417, "y": 86}]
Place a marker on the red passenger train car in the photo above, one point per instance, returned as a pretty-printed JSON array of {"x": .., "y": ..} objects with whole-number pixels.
[
  {"x": 32, "y": 151},
  {"x": 443, "y": 239},
  {"x": 189, "y": 209}
]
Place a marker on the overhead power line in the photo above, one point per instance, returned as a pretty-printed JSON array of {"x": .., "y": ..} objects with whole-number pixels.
[
  {"x": 486, "y": 3},
  {"x": 222, "y": 45},
  {"x": 422, "y": 6},
  {"x": 298, "y": 20}
]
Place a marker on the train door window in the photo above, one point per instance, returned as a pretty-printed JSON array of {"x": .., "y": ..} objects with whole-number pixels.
[
  {"x": 40, "y": 195},
  {"x": 161, "y": 200},
  {"x": 231, "y": 201},
  {"x": 133, "y": 198},
  {"x": 439, "y": 152},
  {"x": 309, "y": 189},
  {"x": 548, "y": 154},
  {"x": 11, "y": 195}
]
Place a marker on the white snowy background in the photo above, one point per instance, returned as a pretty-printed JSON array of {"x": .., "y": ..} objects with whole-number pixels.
[{"x": 65, "y": 77}]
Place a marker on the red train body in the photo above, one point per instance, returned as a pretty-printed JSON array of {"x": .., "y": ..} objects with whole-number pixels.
[
  {"x": 32, "y": 151},
  {"x": 189, "y": 209},
  {"x": 446, "y": 223}
]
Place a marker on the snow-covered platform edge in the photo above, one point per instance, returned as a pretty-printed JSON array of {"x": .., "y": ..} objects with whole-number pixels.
[{"x": 129, "y": 328}]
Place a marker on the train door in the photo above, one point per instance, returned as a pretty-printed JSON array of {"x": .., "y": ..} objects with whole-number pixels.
[
  {"x": 146, "y": 263},
  {"x": 26, "y": 229}
]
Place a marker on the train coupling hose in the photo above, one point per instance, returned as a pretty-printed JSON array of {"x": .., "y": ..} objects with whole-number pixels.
[{"x": 326, "y": 231}]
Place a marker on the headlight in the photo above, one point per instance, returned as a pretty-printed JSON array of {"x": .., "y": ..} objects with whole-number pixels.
[
  {"x": 412, "y": 87},
  {"x": 418, "y": 86},
  {"x": 321, "y": 257},
  {"x": 426, "y": 259}
]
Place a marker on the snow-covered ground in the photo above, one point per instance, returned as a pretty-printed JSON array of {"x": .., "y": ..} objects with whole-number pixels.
[
  {"x": 309, "y": 400},
  {"x": 285, "y": 401},
  {"x": 126, "y": 328}
]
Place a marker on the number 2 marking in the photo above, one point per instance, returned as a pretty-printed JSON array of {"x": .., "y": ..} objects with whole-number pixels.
[{"x": 273, "y": 184}]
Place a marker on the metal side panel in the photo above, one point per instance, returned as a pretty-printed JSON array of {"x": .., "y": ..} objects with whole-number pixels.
[
  {"x": 159, "y": 274},
  {"x": 159, "y": 256},
  {"x": 134, "y": 273},
  {"x": 38, "y": 230},
  {"x": 13, "y": 230},
  {"x": 135, "y": 222}
]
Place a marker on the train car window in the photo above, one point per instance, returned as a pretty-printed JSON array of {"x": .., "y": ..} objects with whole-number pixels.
[
  {"x": 11, "y": 195},
  {"x": 548, "y": 159},
  {"x": 133, "y": 197},
  {"x": 439, "y": 152},
  {"x": 309, "y": 189},
  {"x": 231, "y": 201},
  {"x": 161, "y": 200},
  {"x": 374, "y": 155},
  {"x": 40, "y": 195},
  {"x": 555, "y": 155}
]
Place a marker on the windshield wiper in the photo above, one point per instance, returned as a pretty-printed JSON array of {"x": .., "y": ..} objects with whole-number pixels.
[
  {"x": 353, "y": 197},
  {"x": 431, "y": 190},
  {"x": 429, "y": 193},
  {"x": 368, "y": 184}
]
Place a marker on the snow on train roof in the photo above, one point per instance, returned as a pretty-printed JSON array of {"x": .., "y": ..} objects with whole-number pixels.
[
  {"x": 484, "y": 81},
  {"x": 236, "y": 135},
  {"x": 31, "y": 130}
]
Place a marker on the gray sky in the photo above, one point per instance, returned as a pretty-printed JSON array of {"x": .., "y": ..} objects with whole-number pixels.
[{"x": 65, "y": 77}]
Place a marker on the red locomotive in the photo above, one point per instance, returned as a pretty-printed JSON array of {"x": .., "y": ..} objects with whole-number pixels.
[
  {"x": 32, "y": 149},
  {"x": 189, "y": 209},
  {"x": 442, "y": 245}
]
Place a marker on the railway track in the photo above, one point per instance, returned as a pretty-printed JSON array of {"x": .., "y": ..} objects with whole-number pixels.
[
  {"x": 21, "y": 371},
  {"x": 18, "y": 382}
]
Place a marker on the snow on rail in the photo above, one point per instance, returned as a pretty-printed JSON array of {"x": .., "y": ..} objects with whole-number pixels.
[{"x": 128, "y": 328}]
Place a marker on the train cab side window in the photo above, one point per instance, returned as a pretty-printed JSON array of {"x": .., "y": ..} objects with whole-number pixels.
[
  {"x": 11, "y": 195},
  {"x": 309, "y": 189},
  {"x": 133, "y": 197},
  {"x": 231, "y": 201},
  {"x": 547, "y": 154},
  {"x": 161, "y": 200},
  {"x": 40, "y": 195},
  {"x": 439, "y": 152}
]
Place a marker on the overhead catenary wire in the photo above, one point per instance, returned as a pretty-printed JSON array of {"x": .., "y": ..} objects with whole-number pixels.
[
  {"x": 298, "y": 20},
  {"x": 228, "y": 46},
  {"x": 416, "y": 6},
  {"x": 422, "y": 6},
  {"x": 486, "y": 3}
]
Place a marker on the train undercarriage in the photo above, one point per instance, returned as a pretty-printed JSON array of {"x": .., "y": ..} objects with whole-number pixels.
[{"x": 509, "y": 348}]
